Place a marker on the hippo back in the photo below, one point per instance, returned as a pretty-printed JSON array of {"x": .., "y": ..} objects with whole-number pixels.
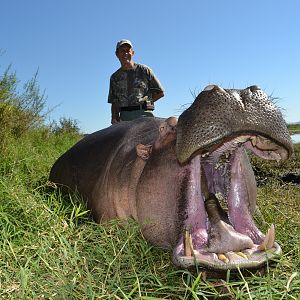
[{"x": 100, "y": 157}]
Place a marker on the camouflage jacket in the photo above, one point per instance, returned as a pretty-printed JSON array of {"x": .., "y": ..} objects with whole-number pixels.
[{"x": 128, "y": 86}]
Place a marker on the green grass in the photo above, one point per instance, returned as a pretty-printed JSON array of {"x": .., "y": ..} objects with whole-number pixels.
[
  {"x": 50, "y": 248},
  {"x": 294, "y": 128}
]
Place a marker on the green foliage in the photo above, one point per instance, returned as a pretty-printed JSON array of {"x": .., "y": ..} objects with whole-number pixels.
[
  {"x": 294, "y": 128},
  {"x": 20, "y": 111},
  {"x": 65, "y": 126},
  {"x": 51, "y": 249}
]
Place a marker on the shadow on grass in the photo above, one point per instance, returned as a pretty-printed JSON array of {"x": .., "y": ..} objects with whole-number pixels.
[
  {"x": 291, "y": 178},
  {"x": 263, "y": 177}
]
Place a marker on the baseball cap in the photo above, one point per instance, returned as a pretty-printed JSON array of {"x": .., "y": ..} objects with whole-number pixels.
[{"x": 122, "y": 42}]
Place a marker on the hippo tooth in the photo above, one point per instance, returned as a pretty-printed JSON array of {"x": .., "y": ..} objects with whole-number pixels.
[
  {"x": 269, "y": 239},
  {"x": 223, "y": 258},
  {"x": 242, "y": 255},
  {"x": 188, "y": 244},
  {"x": 254, "y": 141},
  {"x": 241, "y": 139},
  {"x": 205, "y": 154}
]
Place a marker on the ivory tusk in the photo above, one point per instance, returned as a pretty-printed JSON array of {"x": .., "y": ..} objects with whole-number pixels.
[
  {"x": 269, "y": 239},
  {"x": 242, "y": 255},
  {"x": 223, "y": 258},
  {"x": 188, "y": 244}
]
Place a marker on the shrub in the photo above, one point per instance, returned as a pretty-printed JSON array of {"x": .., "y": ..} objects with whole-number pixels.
[
  {"x": 20, "y": 111},
  {"x": 65, "y": 126}
]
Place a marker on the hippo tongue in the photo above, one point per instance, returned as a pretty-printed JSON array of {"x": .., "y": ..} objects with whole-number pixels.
[
  {"x": 222, "y": 236},
  {"x": 238, "y": 201}
]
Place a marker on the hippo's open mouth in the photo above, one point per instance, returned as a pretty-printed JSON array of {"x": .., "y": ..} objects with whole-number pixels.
[{"x": 219, "y": 230}]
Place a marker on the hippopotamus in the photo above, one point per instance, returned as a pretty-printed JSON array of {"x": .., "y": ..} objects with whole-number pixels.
[{"x": 187, "y": 182}]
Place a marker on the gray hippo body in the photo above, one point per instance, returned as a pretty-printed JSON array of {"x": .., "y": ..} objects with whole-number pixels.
[{"x": 189, "y": 184}]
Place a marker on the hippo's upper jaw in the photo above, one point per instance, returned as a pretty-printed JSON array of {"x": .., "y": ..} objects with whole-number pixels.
[{"x": 219, "y": 232}]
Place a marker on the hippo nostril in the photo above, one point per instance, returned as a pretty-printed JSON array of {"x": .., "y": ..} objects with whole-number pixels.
[{"x": 254, "y": 88}]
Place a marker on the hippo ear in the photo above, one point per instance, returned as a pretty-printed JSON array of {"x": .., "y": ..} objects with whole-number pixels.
[
  {"x": 162, "y": 127},
  {"x": 168, "y": 126},
  {"x": 167, "y": 133}
]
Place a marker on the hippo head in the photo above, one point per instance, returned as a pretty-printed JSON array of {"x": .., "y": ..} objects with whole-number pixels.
[{"x": 212, "y": 136}]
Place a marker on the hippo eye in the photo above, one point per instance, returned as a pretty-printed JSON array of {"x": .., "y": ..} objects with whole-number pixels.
[
  {"x": 214, "y": 86},
  {"x": 209, "y": 87},
  {"x": 253, "y": 88}
]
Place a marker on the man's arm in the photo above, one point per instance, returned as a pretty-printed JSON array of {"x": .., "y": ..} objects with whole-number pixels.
[
  {"x": 115, "y": 116},
  {"x": 156, "y": 90},
  {"x": 115, "y": 111}
]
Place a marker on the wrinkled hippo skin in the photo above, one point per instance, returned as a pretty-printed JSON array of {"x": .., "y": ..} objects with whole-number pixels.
[{"x": 188, "y": 183}]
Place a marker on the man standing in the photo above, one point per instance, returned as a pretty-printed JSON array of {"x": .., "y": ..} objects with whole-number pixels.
[{"x": 133, "y": 87}]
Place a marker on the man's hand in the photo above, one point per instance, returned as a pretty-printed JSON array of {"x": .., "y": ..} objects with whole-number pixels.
[
  {"x": 143, "y": 99},
  {"x": 147, "y": 102},
  {"x": 114, "y": 121}
]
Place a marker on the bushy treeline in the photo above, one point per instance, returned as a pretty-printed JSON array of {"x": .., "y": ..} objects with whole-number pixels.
[
  {"x": 294, "y": 128},
  {"x": 23, "y": 109}
]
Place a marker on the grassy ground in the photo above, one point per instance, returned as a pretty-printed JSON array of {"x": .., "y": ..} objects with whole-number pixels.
[{"x": 50, "y": 249}]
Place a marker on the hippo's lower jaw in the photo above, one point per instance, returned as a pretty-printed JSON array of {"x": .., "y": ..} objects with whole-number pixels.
[
  {"x": 225, "y": 236},
  {"x": 248, "y": 259}
]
